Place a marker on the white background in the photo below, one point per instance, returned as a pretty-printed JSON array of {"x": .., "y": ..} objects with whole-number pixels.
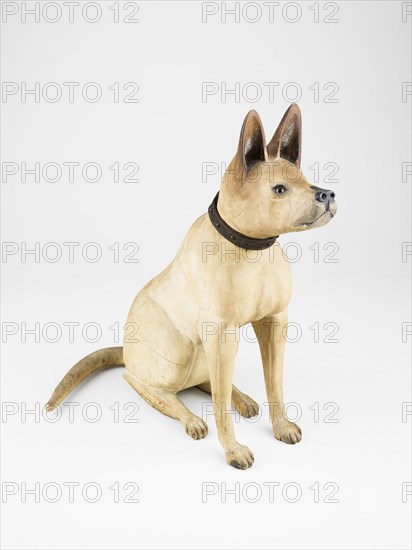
[{"x": 169, "y": 133}]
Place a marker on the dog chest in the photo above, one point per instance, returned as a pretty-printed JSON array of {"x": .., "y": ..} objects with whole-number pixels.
[{"x": 245, "y": 285}]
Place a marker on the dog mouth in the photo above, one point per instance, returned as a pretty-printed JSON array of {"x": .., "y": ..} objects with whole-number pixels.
[{"x": 308, "y": 224}]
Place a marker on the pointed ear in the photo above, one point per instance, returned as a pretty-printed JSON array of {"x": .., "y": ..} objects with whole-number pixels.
[
  {"x": 287, "y": 140},
  {"x": 252, "y": 143}
]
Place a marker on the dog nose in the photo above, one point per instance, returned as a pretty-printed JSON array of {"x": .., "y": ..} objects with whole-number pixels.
[{"x": 324, "y": 195}]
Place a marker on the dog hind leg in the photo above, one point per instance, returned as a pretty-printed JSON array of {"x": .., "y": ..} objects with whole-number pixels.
[{"x": 169, "y": 404}]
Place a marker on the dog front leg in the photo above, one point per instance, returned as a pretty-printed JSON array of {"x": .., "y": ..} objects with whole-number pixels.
[
  {"x": 271, "y": 334},
  {"x": 221, "y": 348}
]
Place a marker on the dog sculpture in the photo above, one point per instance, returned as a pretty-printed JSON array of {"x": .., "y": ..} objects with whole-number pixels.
[{"x": 228, "y": 272}]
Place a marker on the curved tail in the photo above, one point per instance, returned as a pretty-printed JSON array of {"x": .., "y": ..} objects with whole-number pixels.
[{"x": 106, "y": 357}]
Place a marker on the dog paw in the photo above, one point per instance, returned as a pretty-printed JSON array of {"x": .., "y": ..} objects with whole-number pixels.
[
  {"x": 240, "y": 457},
  {"x": 247, "y": 407},
  {"x": 288, "y": 432},
  {"x": 196, "y": 427}
]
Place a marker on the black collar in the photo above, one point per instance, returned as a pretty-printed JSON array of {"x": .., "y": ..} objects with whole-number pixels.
[{"x": 230, "y": 234}]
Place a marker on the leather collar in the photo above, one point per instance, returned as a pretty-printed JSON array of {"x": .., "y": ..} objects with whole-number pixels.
[{"x": 233, "y": 236}]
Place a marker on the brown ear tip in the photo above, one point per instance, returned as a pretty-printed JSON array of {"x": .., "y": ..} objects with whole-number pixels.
[
  {"x": 253, "y": 114},
  {"x": 294, "y": 108},
  {"x": 252, "y": 120}
]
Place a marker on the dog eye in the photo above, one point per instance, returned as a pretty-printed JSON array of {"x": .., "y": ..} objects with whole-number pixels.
[{"x": 279, "y": 189}]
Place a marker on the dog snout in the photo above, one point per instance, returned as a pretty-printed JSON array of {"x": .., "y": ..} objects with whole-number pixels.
[{"x": 325, "y": 196}]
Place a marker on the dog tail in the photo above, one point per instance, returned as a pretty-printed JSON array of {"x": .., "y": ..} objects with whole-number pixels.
[{"x": 106, "y": 357}]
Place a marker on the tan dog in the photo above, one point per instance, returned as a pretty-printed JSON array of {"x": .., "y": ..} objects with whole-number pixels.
[{"x": 226, "y": 274}]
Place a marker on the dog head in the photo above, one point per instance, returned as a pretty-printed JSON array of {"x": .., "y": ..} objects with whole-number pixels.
[{"x": 264, "y": 192}]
